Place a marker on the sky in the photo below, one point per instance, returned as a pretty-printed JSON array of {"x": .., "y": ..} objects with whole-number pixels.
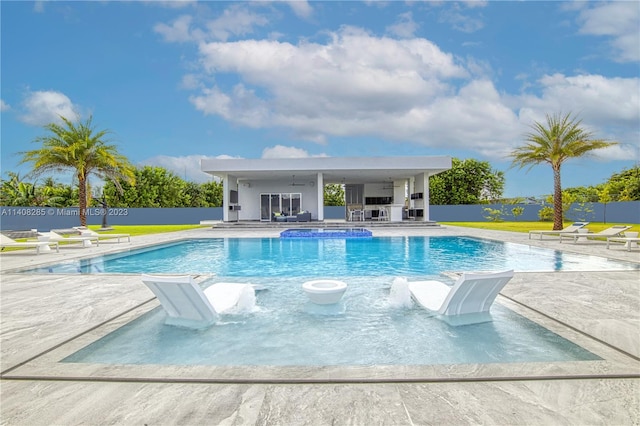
[{"x": 176, "y": 82}]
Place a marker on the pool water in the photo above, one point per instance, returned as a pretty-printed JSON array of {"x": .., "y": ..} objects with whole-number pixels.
[
  {"x": 328, "y": 258},
  {"x": 365, "y": 328}
]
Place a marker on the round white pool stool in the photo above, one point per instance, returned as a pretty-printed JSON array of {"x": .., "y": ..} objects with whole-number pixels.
[{"x": 324, "y": 292}]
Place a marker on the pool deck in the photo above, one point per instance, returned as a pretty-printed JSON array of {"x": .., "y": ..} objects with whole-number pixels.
[{"x": 46, "y": 317}]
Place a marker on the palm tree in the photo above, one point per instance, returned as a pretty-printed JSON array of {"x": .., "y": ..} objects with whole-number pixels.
[
  {"x": 561, "y": 139},
  {"x": 81, "y": 149}
]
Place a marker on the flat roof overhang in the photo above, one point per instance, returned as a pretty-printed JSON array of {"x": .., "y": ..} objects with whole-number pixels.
[{"x": 334, "y": 169}]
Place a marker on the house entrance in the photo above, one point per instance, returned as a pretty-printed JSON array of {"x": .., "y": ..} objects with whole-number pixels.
[{"x": 288, "y": 204}]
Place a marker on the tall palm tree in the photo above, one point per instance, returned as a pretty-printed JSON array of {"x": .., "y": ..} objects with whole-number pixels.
[
  {"x": 560, "y": 139},
  {"x": 83, "y": 150}
]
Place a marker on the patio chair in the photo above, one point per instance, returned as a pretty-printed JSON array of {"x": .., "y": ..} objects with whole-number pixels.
[
  {"x": 54, "y": 236},
  {"x": 187, "y": 305},
  {"x": 613, "y": 231},
  {"x": 469, "y": 299},
  {"x": 84, "y": 231},
  {"x": 382, "y": 215},
  {"x": 569, "y": 229},
  {"x": 39, "y": 245}
]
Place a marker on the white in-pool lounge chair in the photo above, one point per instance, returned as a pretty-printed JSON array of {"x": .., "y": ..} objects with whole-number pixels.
[
  {"x": 89, "y": 232},
  {"x": 39, "y": 245},
  {"x": 54, "y": 236},
  {"x": 187, "y": 305},
  {"x": 613, "y": 231},
  {"x": 569, "y": 229},
  {"x": 467, "y": 302}
]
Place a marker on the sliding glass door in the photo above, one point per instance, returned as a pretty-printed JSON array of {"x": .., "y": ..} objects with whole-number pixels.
[{"x": 288, "y": 204}]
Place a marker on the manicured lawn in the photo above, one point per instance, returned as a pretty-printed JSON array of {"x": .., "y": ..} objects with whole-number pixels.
[
  {"x": 531, "y": 226},
  {"x": 133, "y": 230},
  {"x": 145, "y": 229}
]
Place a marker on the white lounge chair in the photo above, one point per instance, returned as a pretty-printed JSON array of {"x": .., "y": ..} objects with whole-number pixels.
[
  {"x": 39, "y": 245},
  {"x": 89, "y": 232},
  {"x": 467, "y": 302},
  {"x": 613, "y": 231},
  {"x": 187, "y": 305},
  {"x": 629, "y": 242},
  {"x": 54, "y": 236},
  {"x": 569, "y": 229}
]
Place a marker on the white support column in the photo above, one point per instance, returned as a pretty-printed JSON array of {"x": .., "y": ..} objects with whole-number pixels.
[
  {"x": 225, "y": 198},
  {"x": 320, "y": 193},
  {"x": 412, "y": 189},
  {"x": 422, "y": 186},
  {"x": 426, "y": 197}
]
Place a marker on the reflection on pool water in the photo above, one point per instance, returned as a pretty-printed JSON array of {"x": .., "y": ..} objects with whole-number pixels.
[
  {"x": 365, "y": 328},
  {"x": 275, "y": 257}
]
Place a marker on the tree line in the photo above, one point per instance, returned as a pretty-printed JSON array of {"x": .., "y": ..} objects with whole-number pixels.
[
  {"x": 80, "y": 148},
  {"x": 467, "y": 182}
]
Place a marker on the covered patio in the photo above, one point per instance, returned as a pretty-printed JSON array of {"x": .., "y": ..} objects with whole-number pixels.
[{"x": 393, "y": 189}]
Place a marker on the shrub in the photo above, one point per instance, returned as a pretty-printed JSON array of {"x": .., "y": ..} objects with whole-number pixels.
[
  {"x": 546, "y": 214},
  {"x": 493, "y": 215},
  {"x": 517, "y": 212}
]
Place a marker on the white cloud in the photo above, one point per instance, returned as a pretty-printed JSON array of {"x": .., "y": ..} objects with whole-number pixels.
[
  {"x": 598, "y": 99},
  {"x": 178, "y": 31},
  {"x": 280, "y": 151},
  {"x": 405, "y": 26},
  {"x": 460, "y": 20},
  {"x": 190, "y": 82},
  {"x": 301, "y": 8},
  {"x": 407, "y": 90},
  {"x": 38, "y": 6},
  {"x": 236, "y": 20},
  {"x": 619, "y": 20},
  {"x": 316, "y": 89},
  {"x": 4, "y": 106},
  {"x": 609, "y": 107},
  {"x": 475, "y": 3},
  {"x": 44, "y": 107},
  {"x": 172, "y": 4}
]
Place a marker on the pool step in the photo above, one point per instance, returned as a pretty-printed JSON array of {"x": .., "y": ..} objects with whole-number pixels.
[{"x": 318, "y": 224}]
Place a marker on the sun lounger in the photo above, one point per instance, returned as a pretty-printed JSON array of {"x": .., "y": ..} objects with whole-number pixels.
[
  {"x": 569, "y": 229},
  {"x": 629, "y": 242},
  {"x": 187, "y": 305},
  {"x": 609, "y": 232},
  {"x": 54, "y": 236},
  {"x": 89, "y": 232},
  {"x": 39, "y": 245},
  {"x": 469, "y": 299}
]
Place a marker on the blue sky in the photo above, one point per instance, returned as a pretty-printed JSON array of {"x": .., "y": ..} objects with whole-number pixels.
[{"x": 181, "y": 81}]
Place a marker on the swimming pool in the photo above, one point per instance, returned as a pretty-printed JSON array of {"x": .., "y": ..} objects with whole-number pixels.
[
  {"x": 365, "y": 328},
  {"x": 378, "y": 256}
]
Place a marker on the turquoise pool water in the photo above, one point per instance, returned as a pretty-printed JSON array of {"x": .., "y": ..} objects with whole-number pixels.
[{"x": 275, "y": 257}]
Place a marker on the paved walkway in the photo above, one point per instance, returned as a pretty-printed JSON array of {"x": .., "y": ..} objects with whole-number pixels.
[{"x": 46, "y": 317}]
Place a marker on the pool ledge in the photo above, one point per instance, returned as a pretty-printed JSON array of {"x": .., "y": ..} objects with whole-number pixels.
[{"x": 615, "y": 363}]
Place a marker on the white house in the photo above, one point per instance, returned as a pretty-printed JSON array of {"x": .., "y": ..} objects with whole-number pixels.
[{"x": 376, "y": 188}]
